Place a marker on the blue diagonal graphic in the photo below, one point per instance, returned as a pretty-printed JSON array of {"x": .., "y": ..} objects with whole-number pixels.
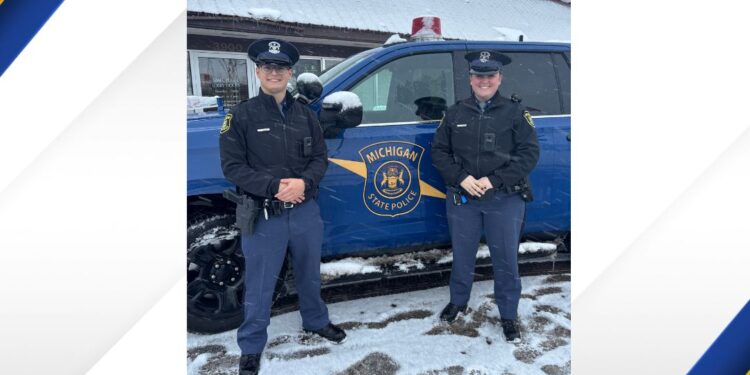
[
  {"x": 19, "y": 22},
  {"x": 730, "y": 353}
]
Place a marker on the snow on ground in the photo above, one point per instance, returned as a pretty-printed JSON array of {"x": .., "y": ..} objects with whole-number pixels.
[{"x": 401, "y": 334}]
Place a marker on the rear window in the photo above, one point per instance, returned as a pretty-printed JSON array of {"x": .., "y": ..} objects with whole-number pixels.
[{"x": 531, "y": 76}]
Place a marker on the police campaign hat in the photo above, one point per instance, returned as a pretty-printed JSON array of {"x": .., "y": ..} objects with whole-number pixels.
[
  {"x": 273, "y": 51},
  {"x": 486, "y": 62}
]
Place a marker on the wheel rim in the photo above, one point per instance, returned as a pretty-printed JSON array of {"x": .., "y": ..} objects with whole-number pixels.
[{"x": 215, "y": 274}]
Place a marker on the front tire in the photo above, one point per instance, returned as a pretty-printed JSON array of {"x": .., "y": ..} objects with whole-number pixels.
[{"x": 216, "y": 275}]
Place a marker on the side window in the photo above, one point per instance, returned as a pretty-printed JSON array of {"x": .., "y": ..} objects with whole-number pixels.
[
  {"x": 412, "y": 88},
  {"x": 532, "y": 77},
  {"x": 563, "y": 75}
]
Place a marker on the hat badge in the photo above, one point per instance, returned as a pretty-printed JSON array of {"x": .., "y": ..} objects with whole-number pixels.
[
  {"x": 274, "y": 47},
  {"x": 484, "y": 56}
]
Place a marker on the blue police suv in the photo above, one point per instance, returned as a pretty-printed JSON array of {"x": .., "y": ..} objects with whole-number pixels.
[{"x": 381, "y": 195}]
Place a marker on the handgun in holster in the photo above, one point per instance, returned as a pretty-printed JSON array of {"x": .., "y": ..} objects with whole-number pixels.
[
  {"x": 524, "y": 188},
  {"x": 246, "y": 211}
]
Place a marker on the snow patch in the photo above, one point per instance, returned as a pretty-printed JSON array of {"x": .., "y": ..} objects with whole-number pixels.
[
  {"x": 533, "y": 247},
  {"x": 196, "y": 104},
  {"x": 194, "y": 366},
  {"x": 348, "y": 266},
  {"x": 409, "y": 264},
  {"x": 346, "y": 99},
  {"x": 506, "y": 33},
  {"x": 395, "y": 38},
  {"x": 264, "y": 13},
  {"x": 214, "y": 237},
  {"x": 308, "y": 78},
  {"x": 526, "y": 247}
]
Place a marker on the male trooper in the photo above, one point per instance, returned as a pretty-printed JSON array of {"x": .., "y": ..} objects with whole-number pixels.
[
  {"x": 273, "y": 149},
  {"x": 485, "y": 148}
]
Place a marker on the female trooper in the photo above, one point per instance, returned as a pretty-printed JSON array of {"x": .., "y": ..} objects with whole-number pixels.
[
  {"x": 485, "y": 148},
  {"x": 273, "y": 149}
]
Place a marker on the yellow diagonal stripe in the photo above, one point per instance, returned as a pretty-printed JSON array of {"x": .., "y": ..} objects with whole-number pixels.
[
  {"x": 359, "y": 168},
  {"x": 428, "y": 190},
  {"x": 356, "y": 167}
]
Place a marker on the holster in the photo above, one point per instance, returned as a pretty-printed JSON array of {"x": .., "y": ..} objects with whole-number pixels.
[
  {"x": 524, "y": 188},
  {"x": 245, "y": 216}
]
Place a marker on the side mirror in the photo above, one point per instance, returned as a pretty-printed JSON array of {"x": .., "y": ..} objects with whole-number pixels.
[
  {"x": 340, "y": 110},
  {"x": 309, "y": 88}
]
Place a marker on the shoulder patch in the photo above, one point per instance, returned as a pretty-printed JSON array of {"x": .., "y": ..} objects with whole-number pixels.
[
  {"x": 226, "y": 124},
  {"x": 528, "y": 118}
]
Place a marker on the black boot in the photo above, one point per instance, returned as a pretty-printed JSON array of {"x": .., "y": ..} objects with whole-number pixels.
[
  {"x": 451, "y": 311},
  {"x": 510, "y": 330},
  {"x": 331, "y": 333},
  {"x": 250, "y": 364}
]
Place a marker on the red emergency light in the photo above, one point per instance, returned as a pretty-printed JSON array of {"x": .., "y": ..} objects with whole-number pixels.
[{"x": 426, "y": 28}]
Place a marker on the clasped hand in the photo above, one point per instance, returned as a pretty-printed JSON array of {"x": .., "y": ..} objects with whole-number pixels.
[
  {"x": 476, "y": 187},
  {"x": 291, "y": 190}
]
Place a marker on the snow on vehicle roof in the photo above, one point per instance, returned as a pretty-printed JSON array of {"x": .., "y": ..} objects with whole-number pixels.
[
  {"x": 395, "y": 38},
  {"x": 538, "y": 20}
]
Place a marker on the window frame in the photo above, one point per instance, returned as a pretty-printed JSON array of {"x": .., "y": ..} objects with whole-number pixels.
[
  {"x": 252, "y": 85},
  {"x": 565, "y": 106}
]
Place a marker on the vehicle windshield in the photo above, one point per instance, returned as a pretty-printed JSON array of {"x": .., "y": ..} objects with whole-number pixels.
[{"x": 334, "y": 72}]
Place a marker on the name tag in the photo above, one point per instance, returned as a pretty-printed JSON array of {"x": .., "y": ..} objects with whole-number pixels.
[
  {"x": 461, "y": 125},
  {"x": 264, "y": 130}
]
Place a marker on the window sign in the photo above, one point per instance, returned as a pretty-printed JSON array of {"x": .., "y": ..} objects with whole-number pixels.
[{"x": 228, "y": 75}]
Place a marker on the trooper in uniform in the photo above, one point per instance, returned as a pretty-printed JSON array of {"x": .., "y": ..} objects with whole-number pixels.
[
  {"x": 484, "y": 148},
  {"x": 273, "y": 149}
]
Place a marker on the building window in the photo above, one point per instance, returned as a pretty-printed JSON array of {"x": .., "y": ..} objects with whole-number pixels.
[
  {"x": 231, "y": 75},
  {"x": 225, "y": 74},
  {"x": 189, "y": 77}
]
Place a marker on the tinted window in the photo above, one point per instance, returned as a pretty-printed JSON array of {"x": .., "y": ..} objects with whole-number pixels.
[
  {"x": 412, "y": 88},
  {"x": 531, "y": 76},
  {"x": 563, "y": 75}
]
